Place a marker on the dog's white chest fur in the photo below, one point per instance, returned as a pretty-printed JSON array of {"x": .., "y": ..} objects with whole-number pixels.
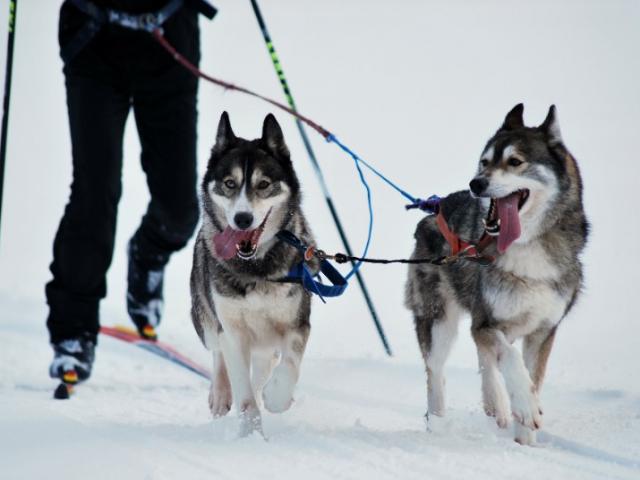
[
  {"x": 530, "y": 298},
  {"x": 263, "y": 314}
]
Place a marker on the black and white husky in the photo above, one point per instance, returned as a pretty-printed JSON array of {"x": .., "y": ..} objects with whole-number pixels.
[
  {"x": 256, "y": 327},
  {"x": 528, "y": 187}
]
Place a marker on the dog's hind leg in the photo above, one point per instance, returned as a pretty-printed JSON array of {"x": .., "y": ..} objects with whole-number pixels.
[
  {"x": 278, "y": 392},
  {"x": 237, "y": 355},
  {"x": 220, "y": 397},
  {"x": 436, "y": 332}
]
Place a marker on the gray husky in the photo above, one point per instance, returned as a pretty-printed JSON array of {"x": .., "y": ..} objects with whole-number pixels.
[
  {"x": 527, "y": 192},
  {"x": 256, "y": 327}
]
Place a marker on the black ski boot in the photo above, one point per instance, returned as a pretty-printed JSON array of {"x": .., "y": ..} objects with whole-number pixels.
[
  {"x": 72, "y": 359},
  {"x": 144, "y": 294}
]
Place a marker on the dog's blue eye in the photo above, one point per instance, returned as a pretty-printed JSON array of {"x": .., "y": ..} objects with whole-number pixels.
[
  {"x": 262, "y": 185},
  {"x": 230, "y": 183},
  {"x": 514, "y": 162}
]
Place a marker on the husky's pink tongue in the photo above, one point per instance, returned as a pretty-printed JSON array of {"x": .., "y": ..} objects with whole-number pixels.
[
  {"x": 509, "y": 221},
  {"x": 226, "y": 241}
]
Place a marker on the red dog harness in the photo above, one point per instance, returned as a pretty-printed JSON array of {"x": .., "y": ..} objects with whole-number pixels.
[{"x": 461, "y": 247}]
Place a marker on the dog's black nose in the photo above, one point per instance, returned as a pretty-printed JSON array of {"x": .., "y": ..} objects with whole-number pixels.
[
  {"x": 478, "y": 185},
  {"x": 243, "y": 220}
]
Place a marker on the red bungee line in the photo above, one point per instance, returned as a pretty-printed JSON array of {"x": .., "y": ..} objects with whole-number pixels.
[
  {"x": 328, "y": 136},
  {"x": 157, "y": 33}
]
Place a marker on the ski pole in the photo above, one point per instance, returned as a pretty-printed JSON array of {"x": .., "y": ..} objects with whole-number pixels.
[
  {"x": 318, "y": 170},
  {"x": 13, "y": 8}
]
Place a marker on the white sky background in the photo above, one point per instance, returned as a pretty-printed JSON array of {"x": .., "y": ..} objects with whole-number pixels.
[{"x": 416, "y": 88}]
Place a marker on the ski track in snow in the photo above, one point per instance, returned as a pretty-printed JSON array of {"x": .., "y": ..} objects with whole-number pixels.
[{"x": 143, "y": 417}]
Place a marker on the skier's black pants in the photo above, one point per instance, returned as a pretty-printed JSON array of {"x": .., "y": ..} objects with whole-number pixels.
[{"x": 117, "y": 71}]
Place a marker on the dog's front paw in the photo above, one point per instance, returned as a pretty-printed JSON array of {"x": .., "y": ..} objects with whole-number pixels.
[
  {"x": 524, "y": 435},
  {"x": 278, "y": 392},
  {"x": 497, "y": 406},
  {"x": 495, "y": 398},
  {"x": 250, "y": 418},
  {"x": 526, "y": 410},
  {"x": 220, "y": 399},
  {"x": 501, "y": 416}
]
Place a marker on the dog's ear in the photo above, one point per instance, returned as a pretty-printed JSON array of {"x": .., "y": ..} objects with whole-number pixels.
[
  {"x": 273, "y": 138},
  {"x": 225, "y": 136},
  {"x": 551, "y": 127},
  {"x": 514, "y": 120}
]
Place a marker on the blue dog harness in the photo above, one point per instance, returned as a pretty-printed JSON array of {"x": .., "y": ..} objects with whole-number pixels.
[{"x": 303, "y": 275}]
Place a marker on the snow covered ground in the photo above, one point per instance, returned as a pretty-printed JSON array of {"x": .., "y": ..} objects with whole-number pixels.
[{"x": 416, "y": 88}]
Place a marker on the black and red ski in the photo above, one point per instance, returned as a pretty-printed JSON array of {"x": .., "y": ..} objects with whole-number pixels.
[{"x": 160, "y": 349}]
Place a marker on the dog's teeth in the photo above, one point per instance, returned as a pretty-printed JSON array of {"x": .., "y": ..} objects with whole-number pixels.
[{"x": 492, "y": 227}]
